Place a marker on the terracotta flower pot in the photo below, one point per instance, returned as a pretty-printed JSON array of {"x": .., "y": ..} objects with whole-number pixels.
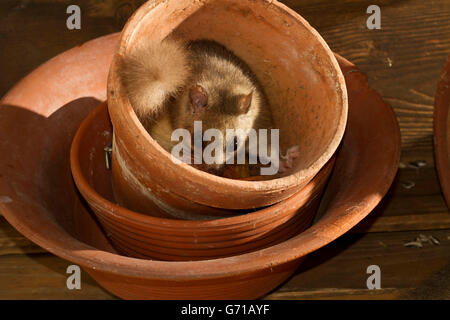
[
  {"x": 302, "y": 79},
  {"x": 442, "y": 130},
  {"x": 38, "y": 196},
  {"x": 144, "y": 236}
]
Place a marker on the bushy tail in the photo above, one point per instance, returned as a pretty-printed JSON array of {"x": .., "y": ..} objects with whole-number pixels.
[{"x": 152, "y": 72}]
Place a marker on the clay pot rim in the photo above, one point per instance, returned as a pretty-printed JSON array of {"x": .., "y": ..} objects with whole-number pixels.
[
  {"x": 210, "y": 179},
  {"x": 166, "y": 223},
  {"x": 441, "y": 128}
]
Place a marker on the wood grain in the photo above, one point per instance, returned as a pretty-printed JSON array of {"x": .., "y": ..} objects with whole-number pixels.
[
  {"x": 338, "y": 271},
  {"x": 42, "y": 276},
  {"x": 403, "y": 62},
  {"x": 12, "y": 242},
  {"x": 36, "y": 31}
]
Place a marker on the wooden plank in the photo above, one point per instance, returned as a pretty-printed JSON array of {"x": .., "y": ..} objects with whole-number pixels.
[
  {"x": 32, "y": 32},
  {"x": 43, "y": 276},
  {"x": 30, "y": 272},
  {"x": 404, "y": 222},
  {"x": 414, "y": 202},
  {"x": 338, "y": 271},
  {"x": 12, "y": 242},
  {"x": 403, "y": 62}
]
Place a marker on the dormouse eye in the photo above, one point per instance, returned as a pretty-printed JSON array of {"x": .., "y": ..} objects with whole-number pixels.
[{"x": 198, "y": 98}]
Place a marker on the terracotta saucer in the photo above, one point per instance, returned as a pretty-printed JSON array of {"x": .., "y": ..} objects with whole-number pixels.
[
  {"x": 442, "y": 130},
  {"x": 38, "y": 119}
]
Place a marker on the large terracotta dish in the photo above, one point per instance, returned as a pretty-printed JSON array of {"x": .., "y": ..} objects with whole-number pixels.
[
  {"x": 300, "y": 75},
  {"x": 38, "y": 119},
  {"x": 442, "y": 130}
]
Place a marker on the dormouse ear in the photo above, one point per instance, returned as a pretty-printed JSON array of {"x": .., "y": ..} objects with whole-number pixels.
[
  {"x": 244, "y": 103},
  {"x": 198, "y": 98}
]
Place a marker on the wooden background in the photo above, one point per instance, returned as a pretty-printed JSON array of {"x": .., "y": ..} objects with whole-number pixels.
[{"x": 403, "y": 62}]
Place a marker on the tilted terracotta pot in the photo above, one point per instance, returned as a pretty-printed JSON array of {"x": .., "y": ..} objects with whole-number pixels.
[
  {"x": 38, "y": 196},
  {"x": 144, "y": 236},
  {"x": 442, "y": 130},
  {"x": 302, "y": 79}
]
